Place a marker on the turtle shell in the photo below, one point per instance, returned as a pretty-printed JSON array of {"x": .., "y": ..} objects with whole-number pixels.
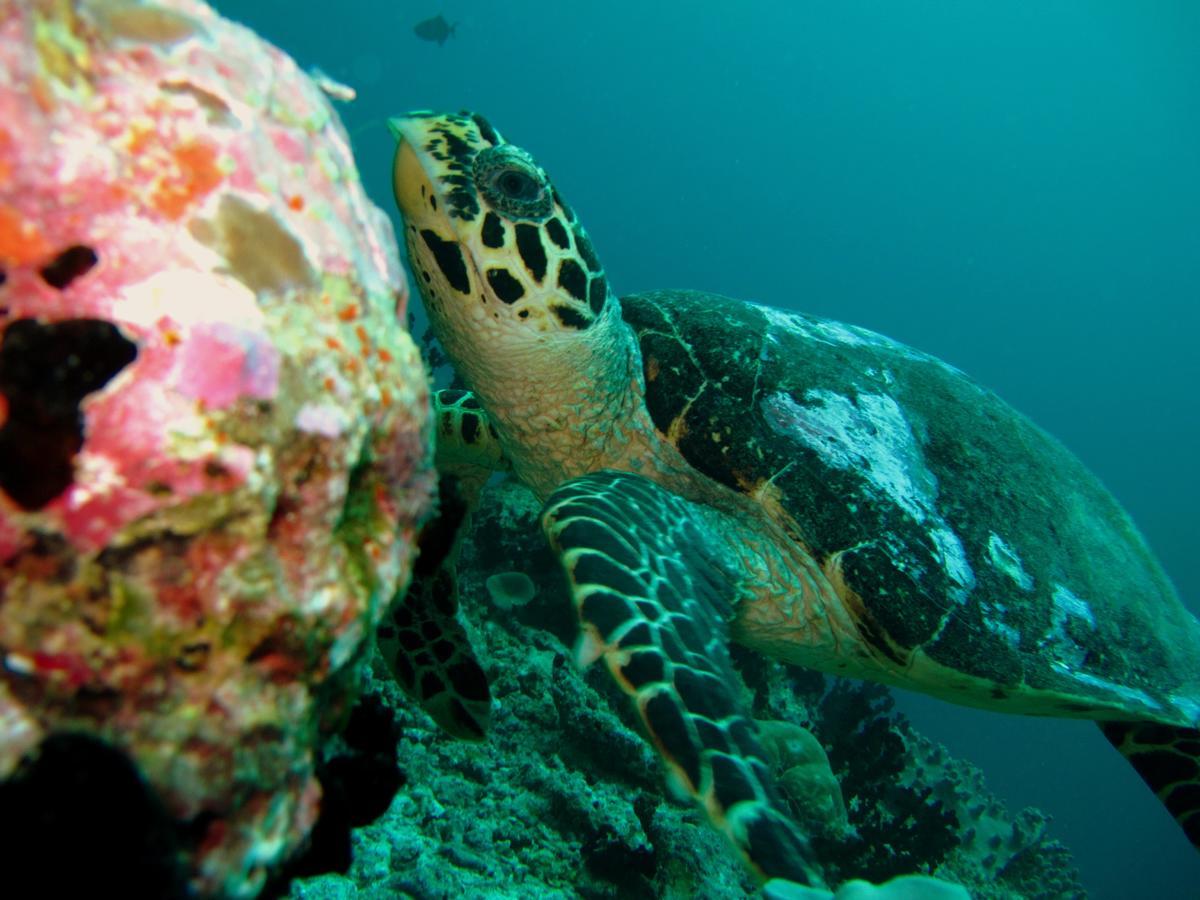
[{"x": 964, "y": 534}]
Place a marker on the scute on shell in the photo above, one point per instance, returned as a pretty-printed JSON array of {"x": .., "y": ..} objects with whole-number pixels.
[{"x": 979, "y": 555}]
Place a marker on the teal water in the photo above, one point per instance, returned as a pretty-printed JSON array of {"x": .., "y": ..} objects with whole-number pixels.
[{"x": 1014, "y": 188}]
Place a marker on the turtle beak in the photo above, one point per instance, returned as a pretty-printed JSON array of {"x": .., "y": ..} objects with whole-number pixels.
[{"x": 410, "y": 182}]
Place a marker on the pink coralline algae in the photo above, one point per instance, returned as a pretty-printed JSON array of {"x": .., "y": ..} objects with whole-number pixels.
[{"x": 214, "y": 445}]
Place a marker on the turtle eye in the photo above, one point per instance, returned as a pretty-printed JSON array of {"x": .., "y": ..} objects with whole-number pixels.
[
  {"x": 512, "y": 183},
  {"x": 516, "y": 185}
]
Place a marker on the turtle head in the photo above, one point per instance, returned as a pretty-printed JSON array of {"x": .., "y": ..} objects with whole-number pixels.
[{"x": 498, "y": 256}]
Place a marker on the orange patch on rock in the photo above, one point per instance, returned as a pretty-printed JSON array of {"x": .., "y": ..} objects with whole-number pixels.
[
  {"x": 21, "y": 243},
  {"x": 6, "y": 143},
  {"x": 196, "y": 175}
]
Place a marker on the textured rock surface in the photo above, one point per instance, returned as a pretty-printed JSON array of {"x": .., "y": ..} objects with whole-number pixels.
[
  {"x": 565, "y": 799},
  {"x": 213, "y": 435}
]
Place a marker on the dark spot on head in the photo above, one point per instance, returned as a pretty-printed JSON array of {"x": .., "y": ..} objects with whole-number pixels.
[
  {"x": 45, "y": 372},
  {"x": 3, "y": 277},
  {"x": 68, "y": 265},
  {"x": 493, "y": 230},
  {"x": 533, "y": 254},
  {"x": 449, "y": 258},
  {"x": 523, "y": 314},
  {"x": 557, "y": 233},
  {"x": 562, "y": 204},
  {"x": 571, "y": 279},
  {"x": 571, "y": 317},
  {"x": 507, "y": 288},
  {"x": 486, "y": 131},
  {"x": 597, "y": 293},
  {"x": 470, "y": 428},
  {"x": 433, "y": 202},
  {"x": 583, "y": 245}
]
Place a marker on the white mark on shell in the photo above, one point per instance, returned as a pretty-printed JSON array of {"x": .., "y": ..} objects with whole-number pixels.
[
  {"x": 1004, "y": 558},
  {"x": 872, "y": 436},
  {"x": 1058, "y": 641},
  {"x": 1067, "y": 604},
  {"x": 1104, "y": 686}
]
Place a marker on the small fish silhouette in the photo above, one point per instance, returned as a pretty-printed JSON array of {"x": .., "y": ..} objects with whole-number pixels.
[{"x": 435, "y": 29}]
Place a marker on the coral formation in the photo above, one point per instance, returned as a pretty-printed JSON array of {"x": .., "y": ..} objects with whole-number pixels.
[
  {"x": 566, "y": 799},
  {"x": 213, "y": 427}
]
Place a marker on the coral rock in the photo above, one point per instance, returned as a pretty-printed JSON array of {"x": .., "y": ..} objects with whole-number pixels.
[{"x": 214, "y": 447}]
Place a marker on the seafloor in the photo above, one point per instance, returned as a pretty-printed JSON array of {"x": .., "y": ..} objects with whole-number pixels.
[{"x": 565, "y": 799}]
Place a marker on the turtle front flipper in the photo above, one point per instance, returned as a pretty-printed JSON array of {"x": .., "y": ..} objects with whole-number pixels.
[
  {"x": 653, "y": 598},
  {"x": 422, "y": 640},
  {"x": 466, "y": 442},
  {"x": 1168, "y": 759}
]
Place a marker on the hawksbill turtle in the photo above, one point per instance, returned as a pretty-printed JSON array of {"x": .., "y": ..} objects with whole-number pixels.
[{"x": 714, "y": 470}]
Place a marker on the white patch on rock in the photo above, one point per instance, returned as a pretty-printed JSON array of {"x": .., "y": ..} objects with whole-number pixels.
[
  {"x": 872, "y": 436},
  {"x": 324, "y": 419},
  {"x": 1004, "y": 558},
  {"x": 188, "y": 298}
]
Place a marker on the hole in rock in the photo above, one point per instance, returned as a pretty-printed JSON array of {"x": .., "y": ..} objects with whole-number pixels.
[
  {"x": 68, "y": 265},
  {"x": 46, "y": 369},
  {"x": 80, "y": 822}
]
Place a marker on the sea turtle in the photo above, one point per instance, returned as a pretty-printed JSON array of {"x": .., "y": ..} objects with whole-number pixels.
[{"x": 716, "y": 470}]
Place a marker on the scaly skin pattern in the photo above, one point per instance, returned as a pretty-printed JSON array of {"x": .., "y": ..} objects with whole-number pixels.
[
  {"x": 557, "y": 371},
  {"x": 518, "y": 299},
  {"x": 880, "y": 514}
]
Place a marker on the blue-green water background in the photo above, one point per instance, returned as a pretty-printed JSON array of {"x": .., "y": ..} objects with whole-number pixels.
[{"x": 1014, "y": 187}]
